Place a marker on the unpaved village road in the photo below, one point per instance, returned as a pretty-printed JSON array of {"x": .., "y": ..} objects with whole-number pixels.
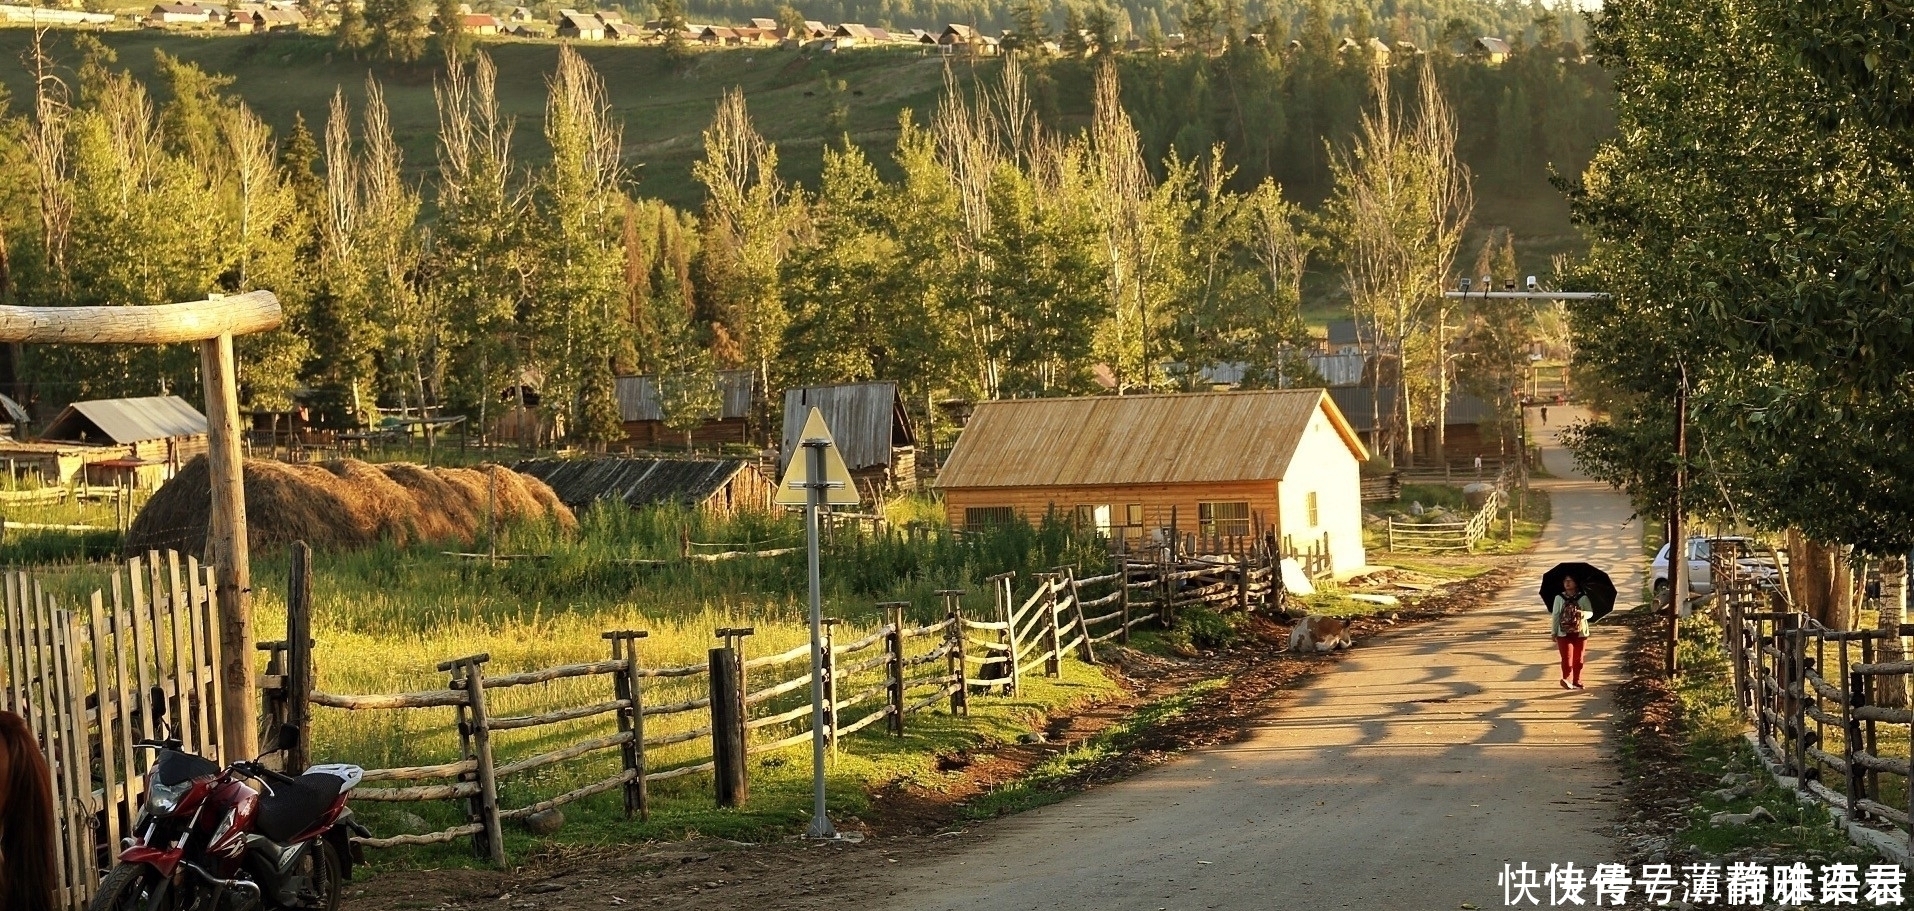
[{"x": 1402, "y": 778}]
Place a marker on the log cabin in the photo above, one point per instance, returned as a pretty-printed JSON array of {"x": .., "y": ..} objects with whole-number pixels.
[
  {"x": 872, "y": 430},
  {"x": 1218, "y": 464},
  {"x": 642, "y": 411}
]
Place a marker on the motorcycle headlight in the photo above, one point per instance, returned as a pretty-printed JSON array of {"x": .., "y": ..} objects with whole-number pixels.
[{"x": 162, "y": 799}]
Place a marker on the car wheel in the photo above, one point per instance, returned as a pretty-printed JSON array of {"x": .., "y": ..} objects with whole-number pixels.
[{"x": 1661, "y": 585}]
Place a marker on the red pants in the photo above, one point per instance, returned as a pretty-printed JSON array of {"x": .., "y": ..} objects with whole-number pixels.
[{"x": 1571, "y": 650}]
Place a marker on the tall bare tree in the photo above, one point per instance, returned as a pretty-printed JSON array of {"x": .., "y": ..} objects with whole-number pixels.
[{"x": 747, "y": 232}]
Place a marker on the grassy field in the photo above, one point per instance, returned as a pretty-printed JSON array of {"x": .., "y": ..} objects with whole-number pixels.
[{"x": 385, "y": 616}]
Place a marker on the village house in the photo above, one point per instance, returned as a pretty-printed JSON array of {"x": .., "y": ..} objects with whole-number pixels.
[
  {"x": 1471, "y": 430},
  {"x": 963, "y": 40},
  {"x": 481, "y": 24},
  {"x": 139, "y": 440},
  {"x": 625, "y": 31},
  {"x": 1218, "y": 464},
  {"x": 520, "y": 15},
  {"x": 868, "y": 422},
  {"x": 1492, "y": 50},
  {"x": 187, "y": 14},
  {"x": 581, "y": 26},
  {"x": 642, "y": 411}
]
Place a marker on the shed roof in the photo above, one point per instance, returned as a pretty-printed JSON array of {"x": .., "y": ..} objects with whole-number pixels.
[
  {"x": 1344, "y": 332},
  {"x": 638, "y": 396},
  {"x": 1138, "y": 439},
  {"x": 156, "y": 417},
  {"x": 634, "y": 482},
  {"x": 866, "y": 419},
  {"x": 1490, "y": 45}
]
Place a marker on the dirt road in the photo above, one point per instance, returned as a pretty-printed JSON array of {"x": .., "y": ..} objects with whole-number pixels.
[{"x": 1404, "y": 777}]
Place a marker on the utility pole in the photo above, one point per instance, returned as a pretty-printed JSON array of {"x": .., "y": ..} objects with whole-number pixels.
[{"x": 1677, "y": 539}]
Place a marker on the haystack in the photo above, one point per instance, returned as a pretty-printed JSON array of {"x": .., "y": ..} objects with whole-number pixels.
[{"x": 346, "y": 503}]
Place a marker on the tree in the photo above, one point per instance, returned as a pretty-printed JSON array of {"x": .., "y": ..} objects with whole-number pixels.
[
  {"x": 395, "y": 30},
  {"x": 746, "y": 232},
  {"x": 1202, "y": 21},
  {"x": 351, "y": 34},
  {"x": 671, "y": 18},
  {"x": 1029, "y": 30},
  {"x": 453, "y": 41}
]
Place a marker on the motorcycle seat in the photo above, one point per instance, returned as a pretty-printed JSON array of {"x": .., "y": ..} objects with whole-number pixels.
[{"x": 292, "y": 808}]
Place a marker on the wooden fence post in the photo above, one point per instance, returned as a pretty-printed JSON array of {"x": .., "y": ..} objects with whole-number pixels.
[
  {"x": 1870, "y": 735},
  {"x": 734, "y": 637},
  {"x": 627, "y": 688},
  {"x": 727, "y": 740},
  {"x": 475, "y": 729},
  {"x": 894, "y": 650},
  {"x": 1006, "y": 600},
  {"x": 1083, "y": 625},
  {"x": 960, "y": 692},
  {"x": 1122, "y": 562},
  {"x": 829, "y": 671},
  {"x": 298, "y": 683},
  {"x": 1053, "y": 639},
  {"x": 1850, "y": 728}
]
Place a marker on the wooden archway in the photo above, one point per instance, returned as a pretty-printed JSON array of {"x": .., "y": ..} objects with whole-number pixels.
[{"x": 211, "y": 324}]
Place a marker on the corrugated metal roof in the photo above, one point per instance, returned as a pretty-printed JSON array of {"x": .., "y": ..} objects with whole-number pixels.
[
  {"x": 866, "y": 419},
  {"x": 1343, "y": 332},
  {"x": 1355, "y": 404},
  {"x": 156, "y": 417},
  {"x": 638, "y": 396},
  {"x": 1136, "y": 439},
  {"x": 635, "y": 482},
  {"x": 14, "y": 412}
]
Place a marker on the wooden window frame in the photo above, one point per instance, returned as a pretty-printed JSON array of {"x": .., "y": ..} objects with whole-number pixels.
[{"x": 1225, "y": 522}]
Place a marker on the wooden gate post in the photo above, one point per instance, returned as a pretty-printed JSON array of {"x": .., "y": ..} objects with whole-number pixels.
[
  {"x": 894, "y": 667},
  {"x": 1005, "y": 599},
  {"x": 468, "y": 674},
  {"x": 1122, "y": 567},
  {"x": 734, "y": 637},
  {"x": 727, "y": 735},
  {"x": 1089, "y": 648},
  {"x": 626, "y": 688},
  {"x": 299, "y": 645}
]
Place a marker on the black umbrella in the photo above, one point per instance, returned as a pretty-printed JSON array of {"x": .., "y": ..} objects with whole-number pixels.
[{"x": 1593, "y": 582}]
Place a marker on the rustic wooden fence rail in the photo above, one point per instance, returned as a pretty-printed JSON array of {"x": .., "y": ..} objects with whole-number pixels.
[
  {"x": 86, "y": 678},
  {"x": 1447, "y": 537},
  {"x": 1814, "y": 697}
]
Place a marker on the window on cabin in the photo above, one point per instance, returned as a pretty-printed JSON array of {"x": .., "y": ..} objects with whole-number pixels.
[
  {"x": 1227, "y": 520},
  {"x": 988, "y": 516},
  {"x": 1097, "y": 517},
  {"x": 1309, "y": 505}
]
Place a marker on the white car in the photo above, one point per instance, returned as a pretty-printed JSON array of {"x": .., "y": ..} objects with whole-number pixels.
[{"x": 1701, "y": 571}]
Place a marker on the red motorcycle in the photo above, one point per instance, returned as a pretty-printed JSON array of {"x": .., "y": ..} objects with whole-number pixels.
[{"x": 207, "y": 839}]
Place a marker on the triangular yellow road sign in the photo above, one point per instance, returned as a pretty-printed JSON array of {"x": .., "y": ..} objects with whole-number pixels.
[{"x": 792, "y": 490}]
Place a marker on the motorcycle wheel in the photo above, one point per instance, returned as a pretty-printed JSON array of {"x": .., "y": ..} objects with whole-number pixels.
[
  {"x": 134, "y": 887},
  {"x": 321, "y": 868}
]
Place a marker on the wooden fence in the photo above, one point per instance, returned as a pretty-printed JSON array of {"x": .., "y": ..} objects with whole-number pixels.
[
  {"x": 661, "y": 723},
  {"x": 1813, "y": 696},
  {"x": 85, "y": 677},
  {"x": 1385, "y": 488},
  {"x": 1446, "y": 537}
]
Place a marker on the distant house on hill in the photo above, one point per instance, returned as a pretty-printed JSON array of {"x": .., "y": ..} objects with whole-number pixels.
[
  {"x": 625, "y": 31},
  {"x": 186, "y": 14},
  {"x": 481, "y": 24},
  {"x": 870, "y": 426},
  {"x": 581, "y": 26},
  {"x": 520, "y": 14},
  {"x": 718, "y": 486},
  {"x": 1493, "y": 50},
  {"x": 853, "y": 34},
  {"x": 1221, "y": 464}
]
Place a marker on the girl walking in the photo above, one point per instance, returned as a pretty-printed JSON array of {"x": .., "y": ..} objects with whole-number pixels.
[{"x": 1570, "y": 615}]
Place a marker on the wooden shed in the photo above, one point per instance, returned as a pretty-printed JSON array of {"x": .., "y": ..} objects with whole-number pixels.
[
  {"x": 870, "y": 426},
  {"x": 641, "y": 409},
  {"x": 1228, "y": 463},
  {"x": 161, "y": 432},
  {"x": 1472, "y": 423},
  {"x": 721, "y": 486}
]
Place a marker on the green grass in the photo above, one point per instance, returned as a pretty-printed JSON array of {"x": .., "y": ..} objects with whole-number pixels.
[{"x": 1051, "y": 780}]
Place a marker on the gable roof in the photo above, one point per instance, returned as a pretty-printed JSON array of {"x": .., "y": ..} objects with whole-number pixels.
[
  {"x": 1492, "y": 45},
  {"x": 126, "y": 420},
  {"x": 634, "y": 482},
  {"x": 1138, "y": 439},
  {"x": 866, "y": 419},
  {"x": 638, "y": 396}
]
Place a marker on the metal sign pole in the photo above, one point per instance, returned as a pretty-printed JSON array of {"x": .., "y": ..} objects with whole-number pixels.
[{"x": 814, "y": 497}]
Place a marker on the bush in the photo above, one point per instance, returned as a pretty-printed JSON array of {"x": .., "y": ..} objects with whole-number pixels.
[{"x": 1202, "y": 628}]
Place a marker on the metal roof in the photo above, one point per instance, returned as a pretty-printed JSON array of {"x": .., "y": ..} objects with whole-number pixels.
[
  {"x": 14, "y": 412},
  {"x": 1338, "y": 369},
  {"x": 1343, "y": 332},
  {"x": 156, "y": 417},
  {"x": 867, "y": 420},
  {"x": 635, "y": 482},
  {"x": 1137, "y": 439},
  {"x": 638, "y": 396}
]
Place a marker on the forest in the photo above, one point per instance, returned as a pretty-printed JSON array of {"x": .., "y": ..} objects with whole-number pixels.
[{"x": 1042, "y": 224}]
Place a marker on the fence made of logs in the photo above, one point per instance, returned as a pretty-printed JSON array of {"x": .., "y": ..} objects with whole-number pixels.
[
  {"x": 627, "y": 725},
  {"x": 1814, "y": 698},
  {"x": 1446, "y": 537}
]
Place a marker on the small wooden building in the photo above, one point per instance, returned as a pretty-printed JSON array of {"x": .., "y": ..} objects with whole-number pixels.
[
  {"x": 719, "y": 486},
  {"x": 1472, "y": 424},
  {"x": 872, "y": 430},
  {"x": 1225, "y": 464},
  {"x": 161, "y": 432},
  {"x": 642, "y": 410}
]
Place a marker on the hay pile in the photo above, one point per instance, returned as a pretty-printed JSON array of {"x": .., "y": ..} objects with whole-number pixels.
[{"x": 345, "y": 504}]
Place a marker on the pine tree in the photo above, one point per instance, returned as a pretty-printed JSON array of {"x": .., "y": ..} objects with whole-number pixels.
[
  {"x": 351, "y": 34},
  {"x": 453, "y": 41}
]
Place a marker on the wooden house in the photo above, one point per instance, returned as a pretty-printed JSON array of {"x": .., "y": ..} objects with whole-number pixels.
[
  {"x": 186, "y": 14},
  {"x": 1472, "y": 425},
  {"x": 582, "y": 26},
  {"x": 718, "y": 486},
  {"x": 642, "y": 411},
  {"x": 1226, "y": 464},
  {"x": 1491, "y": 50},
  {"x": 870, "y": 426},
  {"x": 481, "y": 24},
  {"x": 159, "y": 431}
]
